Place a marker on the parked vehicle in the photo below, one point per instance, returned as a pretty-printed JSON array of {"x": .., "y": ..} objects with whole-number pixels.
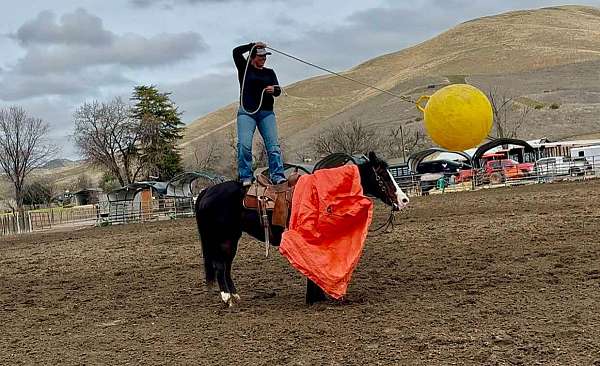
[
  {"x": 446, "y": 167},
  {"x": 579, "y": 166},
  {"x": 552, "y": 166},
  {"x": 431, "y": 171},
  {"x": 591, "y": 153},
  {"x": 560, "y": 166},
  {"x": 427, "y": 174},
  {"x": 498, "y": 171}
]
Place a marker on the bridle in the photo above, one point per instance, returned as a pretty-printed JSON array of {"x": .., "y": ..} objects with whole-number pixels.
[
  {"x": 384, "y": 191},
  {"x": 383, "y": 188}
]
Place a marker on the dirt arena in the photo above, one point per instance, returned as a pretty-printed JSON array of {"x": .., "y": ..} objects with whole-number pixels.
[{"x": 495, "y": 277}]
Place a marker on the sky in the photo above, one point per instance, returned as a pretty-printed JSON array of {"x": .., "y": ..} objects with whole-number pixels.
[{"x": 57, "y": 55}]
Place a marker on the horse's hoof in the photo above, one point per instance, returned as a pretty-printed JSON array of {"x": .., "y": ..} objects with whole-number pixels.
[{"x": 236, "y": 297}]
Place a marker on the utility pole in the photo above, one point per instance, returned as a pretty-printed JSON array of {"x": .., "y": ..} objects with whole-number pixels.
[{"x": 402, "y": 143}]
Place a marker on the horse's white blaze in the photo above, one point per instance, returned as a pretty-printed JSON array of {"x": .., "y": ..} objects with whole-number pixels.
[{"x": 401, "y": 197}]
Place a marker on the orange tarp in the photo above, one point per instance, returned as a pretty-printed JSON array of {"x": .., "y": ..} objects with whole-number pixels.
[{"x": 328, "y": 227}]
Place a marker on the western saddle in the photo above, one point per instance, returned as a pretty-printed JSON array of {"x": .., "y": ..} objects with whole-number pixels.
[{"x": 273, "y": 200}]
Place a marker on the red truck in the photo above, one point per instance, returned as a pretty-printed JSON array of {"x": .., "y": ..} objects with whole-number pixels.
[{"x": 496, "y": 171}]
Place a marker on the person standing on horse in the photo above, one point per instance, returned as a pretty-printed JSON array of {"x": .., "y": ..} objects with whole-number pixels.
[{"x": 258, "y": 87}]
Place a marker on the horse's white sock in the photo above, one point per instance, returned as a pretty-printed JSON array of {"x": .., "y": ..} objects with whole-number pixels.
[{"x": 225, "y": 296}]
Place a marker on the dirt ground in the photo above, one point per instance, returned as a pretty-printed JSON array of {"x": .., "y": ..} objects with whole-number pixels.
[{"x": 495, "y": 277}]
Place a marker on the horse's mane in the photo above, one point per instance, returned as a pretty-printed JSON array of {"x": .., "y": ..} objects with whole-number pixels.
[{"x": 335, "y": 160}]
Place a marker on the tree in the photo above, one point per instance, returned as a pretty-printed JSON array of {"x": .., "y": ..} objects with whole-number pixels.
[
  {"x": 108, "y": 182},
  {"x": 350, "y": 138},
  {"x": 7, "y": 200},
  {"x": 39, "y": 192},
  {"x": 82, "y": 182},
  {"x": 23, "y": 147},
  {"x": 509, "y": 117},
  {"x": 107, "y": 136},
  {"x": 161, "y": 129},
  {"x": 207, "y": 156},
  {"x": 403, "y": 141}
]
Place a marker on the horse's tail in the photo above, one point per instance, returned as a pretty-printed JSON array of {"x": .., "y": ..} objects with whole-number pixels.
[{"x": 209, "y": 270}]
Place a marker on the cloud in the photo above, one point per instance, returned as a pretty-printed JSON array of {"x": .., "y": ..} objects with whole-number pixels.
[
  {"x": 78, "y": 27},
  {"x": 129, "y": 50},
  {"x": 76, "y": 54},
  {"x": 170, "y": 4},
  {"x": 16, "y": 86},
  {"x": 80, "y": 41}
]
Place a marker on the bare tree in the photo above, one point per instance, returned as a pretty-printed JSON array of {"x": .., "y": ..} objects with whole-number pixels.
[
  {"x": 23, "y": 147},
  {"x": 260, "y": 156},
  {"x": 82, "y": 182},
  {"x": 107, "y": 136},
  {"x": 509, "y": 117},
  {"x": 232, "y": 155},
  {"x": 305, "y": 154},
  {"x": 403, "y": 141},
  {"x": 259, "y": 151},
  {"x": 207, "y": 156},
  {"x": 7, "y": 201},
  {"x": 350, "y": 138}
]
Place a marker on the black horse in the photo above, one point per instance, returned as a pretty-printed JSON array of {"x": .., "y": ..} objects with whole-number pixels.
[{"x": 221, "y": 219}]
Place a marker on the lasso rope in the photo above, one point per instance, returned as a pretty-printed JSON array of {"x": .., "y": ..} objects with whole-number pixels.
[
  {"x": 401, "y": 97},
  {"x": 262, "y": 94}
]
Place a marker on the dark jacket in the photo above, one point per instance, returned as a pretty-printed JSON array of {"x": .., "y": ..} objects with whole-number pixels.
[{"x": 256, "y": 81}]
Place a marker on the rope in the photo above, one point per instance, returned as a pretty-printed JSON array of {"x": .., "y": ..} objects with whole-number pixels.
[
  {"x": 401, "y": 97},
  {"x": 262, "y": 94}
]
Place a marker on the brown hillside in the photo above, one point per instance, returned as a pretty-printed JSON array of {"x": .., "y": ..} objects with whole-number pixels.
[{"x": 548, "y": 55}]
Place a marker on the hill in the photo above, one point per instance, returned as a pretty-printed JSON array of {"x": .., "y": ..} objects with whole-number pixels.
[
  {"x": 544, "y": 56},
  {"x": 59, "y": 163}
]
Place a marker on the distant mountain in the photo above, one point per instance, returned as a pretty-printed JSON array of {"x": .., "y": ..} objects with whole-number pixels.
[{"x": 60, "y": 163}]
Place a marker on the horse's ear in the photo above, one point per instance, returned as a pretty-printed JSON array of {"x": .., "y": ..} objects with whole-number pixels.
[{"x": 372, "y": 157}]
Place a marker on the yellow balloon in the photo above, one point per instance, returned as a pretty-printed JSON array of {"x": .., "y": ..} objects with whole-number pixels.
[{"x": 457, "y": 117}]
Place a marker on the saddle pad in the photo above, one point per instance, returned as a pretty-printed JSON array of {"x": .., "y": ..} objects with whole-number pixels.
[{"x": 328, "y": 227}]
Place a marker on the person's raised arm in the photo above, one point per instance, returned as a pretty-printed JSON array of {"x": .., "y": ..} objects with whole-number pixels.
[{"x": 238, "y": 55}]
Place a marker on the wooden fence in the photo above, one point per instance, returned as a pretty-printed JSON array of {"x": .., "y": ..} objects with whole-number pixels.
[{"x": 11, "y": 224}]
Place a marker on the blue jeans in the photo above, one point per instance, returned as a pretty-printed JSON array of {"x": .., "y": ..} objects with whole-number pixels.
[{"x": 267, "y": 126}]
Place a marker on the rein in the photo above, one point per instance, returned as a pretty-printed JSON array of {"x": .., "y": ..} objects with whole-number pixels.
[{"x": 389, "y": 223}]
